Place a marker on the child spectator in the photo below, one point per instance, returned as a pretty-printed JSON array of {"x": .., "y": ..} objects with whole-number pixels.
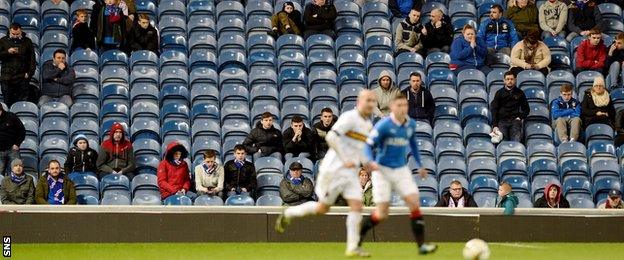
[
  {"x": 566, "y": 113},
  {"x": 591, "y": 54},
  {"x": 111, "y": 26},
  {"x": 173, "y": 172},
  {"x": 143, "y": 36},
  {"x": 287, "y": 21},
  {"x": 54, "y": 187},
  {"x": 17, "y": 187},
  {"x": 82, "y": 36},
  {"x": 597, "y": 107},
  {"x": 553, "y": 15},
  {"x": 507, "y": 199},
  {"x": 552, "y": 198},
  {"x": 81, "y": 158},
  {"x": 209, "y": 175},
  {"x": 407, "y": 36}
]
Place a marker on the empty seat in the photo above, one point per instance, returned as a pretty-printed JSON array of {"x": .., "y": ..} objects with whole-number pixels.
[
  {"x": 484, "y": 191},
  {"x": 239, "y": 200},
  {"x": 205, "y": 200},
  {"x": 178, "y": 200}
]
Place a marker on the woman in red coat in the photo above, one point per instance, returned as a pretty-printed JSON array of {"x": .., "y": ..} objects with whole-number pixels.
[{"x": 173, "y": 172}]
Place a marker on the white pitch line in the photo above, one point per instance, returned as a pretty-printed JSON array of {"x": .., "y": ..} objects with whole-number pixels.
[{"x": 518, "y": 245}]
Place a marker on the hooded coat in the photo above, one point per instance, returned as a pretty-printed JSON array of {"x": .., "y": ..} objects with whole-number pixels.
[
  {"x": 81, "y": 160},
  {"x": 509, "y": 202},
  {"x": 385, "y": 97},
  {"x": 116, "y": 156},
  {"x": 292, "y": 19},
  {"x": 267, "y": 140},
  {"x": 543, "y": 202},
  {"x": 172, "y": 176},
  {"x": 591, "y": 57},
  {"x": 469, "y": 202}
]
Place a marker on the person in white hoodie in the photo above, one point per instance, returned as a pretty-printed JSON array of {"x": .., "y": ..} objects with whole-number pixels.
[{"x": 553, "y": 15}]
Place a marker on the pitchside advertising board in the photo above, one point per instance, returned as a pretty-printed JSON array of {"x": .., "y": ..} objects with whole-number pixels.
[{"x": 6, "y": 246}]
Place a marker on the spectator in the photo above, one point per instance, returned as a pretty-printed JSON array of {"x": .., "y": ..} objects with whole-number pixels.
[
  {"x": 58, "y": 80},
  {"x": 499, "y": 33},
  {"x": 18, "y": 187},
  {"x": 407, "y": 37},
  {"x": 614, "y": 200},
  {"x": 552, "y": 198},
  {"x": 287, "y": 21},
  {"x": 116, "y": 155},
  {"x": 615, "y": 61},
  {"x": 209, "y": 175},
  {"x": 509, "y": 108},
  {"x": 143, "y": 36},
  {"x": 468, "y": 52},
  {"x": 530, "y": 54},
  {"x": 295, "y": 188},
  {"x": 111, "y": 26},
  {"x": 298, "y": 139},
  {"x": 18, "y": 66},
  {"x": 240, "y": 175},
  {"x": 386, "y": 92},
  {"x": 523, "y": 14},
  {"x": 129, "y": 10},
  {"x": 81, "y": 158},
  {"x": 54, "y": 187},
  {"x": 421, "y": 103},
  {"x": 402, "y": 8},
  {"x": 553, "y": 15},
  {"x": 82, "y": 36},
  {"x": 173, "y": 172},
  {"x": 12, "y": 134},
  {"x": 437, "y": 34},
  {"x": 566, "y": 113},
  {"x": 507, "y": 199},
  {"x": 264, "y": 139},
  {"x": 591, "y": 54},
  {"x": 597, "y": 107},
  {"x": 367, "y": 188},
  {"x": 319, "y": 18},
  {"x": 321, "y": 128},
  {"x": 456, "y": 197},
  {"x": 583, "y": 15}
]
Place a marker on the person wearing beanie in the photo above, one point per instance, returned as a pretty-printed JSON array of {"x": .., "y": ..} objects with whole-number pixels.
[
  {"x": 597, "y": 107},
  {"x": 173, "y": 172},
  {"x": 614, "y": 200},
  {"x": 12, "y": 134},
  {"x": 295, "y": 188},
  {"x": 81, "y": 158},
  {"x": 591, "y": 54},
  {"x": 18, "y": 187},
  {"x": 55, "y": 187},
  {"x": 287, "y": 21}
]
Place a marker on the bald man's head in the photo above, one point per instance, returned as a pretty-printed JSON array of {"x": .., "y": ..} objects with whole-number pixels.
[{"x": 366, "y": 102}]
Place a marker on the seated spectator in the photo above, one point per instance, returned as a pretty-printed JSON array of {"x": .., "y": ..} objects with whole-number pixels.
[
  {"x": 18, "y": 187},
  {"x": 591, "y": 54},
  {"x": 552, "y": 198},
  {"x": 367, "y": 188},
  {"x": 437, "y": 34},
  {"x": 530, "y": 54},
  {"x": 615, "y": 61},
  {"x": 420, "y": 100},
  {"x": 17, "y": 55},
  {"x": 553, "y": 15},
  {"x": 456, "y": 197},
  {"x": 402, "y": 8},
  {"x": 597, "y": 107},
  {"x": 264, "y": 139},
  {"x": 287, "y": 21},
  {"x": 468, "y": 52},
  {"x": 386, "y": 92},
  {"x": 321, "y": 128},
  {"x": 583, "y": 15},
  {"x": 507, "y": 199},
  {"x": 12, "y": 134},
  {"x": 407, "y": 36},
  {"x": 209, "y": 175},
  {"x": 614, "y": 201},
  {"x": 116, "y": 155},
  {"x": 298, "y": 139},
  {"x": 499, "y": 33},
  {"x": 82, "y": 36},
  {"x": 129, "y": 10},
  {"x": 143, "y": 36},
  {"x": 173, "y": 172},
  {"x": 523, "y": 13},
  {"x": 295, "y": 188},
  {"x": 55, "y": 187},
  {"x": 319, "y": 18},
  {"x": 566, "y": 114},
  {"x": 111, "y": 26},
  {"x": 58, "y": 80},
  {"x": 509, "y": 108},
  {"x": 81, "y": 158},
  {"x": 240, "y": 175}
]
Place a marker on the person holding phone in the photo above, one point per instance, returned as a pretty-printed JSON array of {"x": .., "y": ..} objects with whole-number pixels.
[{"x": 18, "y": 66}]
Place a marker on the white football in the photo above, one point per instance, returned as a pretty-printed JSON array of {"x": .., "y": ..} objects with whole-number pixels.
[{"x": 476, "y": 249}]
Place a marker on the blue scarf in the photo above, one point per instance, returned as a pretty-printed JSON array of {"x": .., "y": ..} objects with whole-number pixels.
[
  {"x": 239, "y": 164},
  {"x": 55, "y": 195},
  {"x": 209, "y": 170},
  {"x": 17, "y": 179},
  {"x": 176, "y": 162},
  {"x": 296, "y": 181}
]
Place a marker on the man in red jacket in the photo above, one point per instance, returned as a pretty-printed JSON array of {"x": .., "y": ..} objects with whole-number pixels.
[
  {"x": 591, "y": 54},
  {"x": 173, "y": 173}
]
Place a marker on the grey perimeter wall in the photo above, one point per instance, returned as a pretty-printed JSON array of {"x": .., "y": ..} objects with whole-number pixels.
[{"x": 197, "y": 226}]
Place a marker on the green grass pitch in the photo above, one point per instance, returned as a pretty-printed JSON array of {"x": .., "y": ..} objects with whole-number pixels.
[{"x": 300, "y": 251}]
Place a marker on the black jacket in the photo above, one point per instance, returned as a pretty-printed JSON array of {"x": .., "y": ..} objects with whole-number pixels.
[
  {"x": 589, "y": 110},
  {"x": 15, "y": 66},
  {"x": 12, "y": 131},
  {"x": 320, "y": 132},
  {"x": 57, "y": 82},
  {"x": 143, "y": 39},
  {"x": 542, "y": 203},
  {"x": 508, "y": 105},
  {"x": 618, "y": 56},
  {"x": 82, "y": 37},
  {"x": 584, "y": 19},
  {"x": 469, "y": 202},
  {"x": 267, "y": 140},
  {"x": 81, "y": 161},
  {"x": 239, "y": 178},
  {"x": 421, "y": 104},
  {"x": 325, "y": 16},
  {"x": 438, "y": 37},
  {"x": 305, "y": 145}
]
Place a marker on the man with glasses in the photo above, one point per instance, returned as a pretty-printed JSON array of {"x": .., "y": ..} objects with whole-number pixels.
[
  {"x": 614, "y": 201},
  {"x": 456, "y": 197},
  {"x": 591, "y": 54}
]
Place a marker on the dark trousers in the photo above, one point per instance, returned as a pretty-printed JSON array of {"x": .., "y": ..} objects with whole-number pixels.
[
  {"x": 516, "y": 70},
  {"x": 511, "y": 129},
  {"x": 14, "y": 92}
]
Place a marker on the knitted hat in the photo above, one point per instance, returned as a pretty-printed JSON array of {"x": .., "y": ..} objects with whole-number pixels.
[
  {"x": 16, "y": 162},
  {"x": 80, "y": 137}
]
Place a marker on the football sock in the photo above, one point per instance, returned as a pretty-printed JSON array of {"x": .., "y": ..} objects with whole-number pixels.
[
  {"x": 418, "y": 227},
  {"x": 354, "y": 221},
  {"x": 305, "y": 209},
  {"x": 368, "y": 224}
]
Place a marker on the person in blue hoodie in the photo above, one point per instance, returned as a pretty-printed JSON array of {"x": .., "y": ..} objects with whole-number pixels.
[
  {"x": 566, "y": 113},
  {"x": 401, "y": 8},
  {"x": 468, "y": 52},
  {"x": 499, "y": 33}
]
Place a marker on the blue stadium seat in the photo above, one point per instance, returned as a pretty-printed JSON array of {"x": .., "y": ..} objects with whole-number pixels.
[
  {"x": 269, "y": 182},
  {"x": 86, "y": 185},
  {"x": 454, "y": 167},
  {"x": 269, "y": 200},
  {"x": 144, "y": 74},
  {"x": 115, "y": 184},
  {"x": 605, "y": 169},
  {"x": 424, "y": 131},
  {"x": 447, "y": 130},
  {"x": 508, "y": 149},
  {"x": 234, "y": 110},
  {"x": 471, "y": 77},
  {"x": 144, "y": 92},
  {"x": 560, "y": 61},
  {"x": 348, "y": 26},
  {"x": 472, "y": 94},
  {"x": 573, "y": 168},
  {"x": 459, "y": 23},
  {"x": 571, "y": 150},
  {"x": 602, "y": 187},
  {"x": 444, "y": 96},
  {"x": 347, "y": 8},
  {"x": 258, "y": 9},
  {"x": 173, "y": 58},
  {"x": 143, "y": 58},
  {"x": 581, "y": 202},
  {"x": 428, "y": 186},
  {"x": 84, "y": 126},
  {"x": 481, "y": 167},
  {"x": 375, "y": 9},
  {"x": 173, "y": 41},
  {"x": 598, "y": 132},
  {"x": 351, "y": 60},
  {"x": 348, "y": 42},
  {"x": 445, "y": 112},
  {"x": 292, "y": 76},
  {"x": 201, "y": 25},
  {"x": 485, "y": 191},
  {"x": 258, "y": 25},
  {"x": 461, "y": 9},
  {"x": 610, "y": 11},
  {"x": 239, "y": 200},
  {"x": 146, "y": 199},
  {"x": 268, "y": 165},
  {"x": 538, "y": 132},
  {"x": 440, "y": 76},
  {"x": 200, "y": 8},
  {"x": 230, "y": 8},
  {"x": 321, "y": 60},
  {"x": 48, "y": 9},
  {"x": 612, "y": 26},
  {"x": 178, "y": 200},
  {"x": 86, "y": 200},
  {"x": 557, "y": 45},
  {"x": 259, "y": 42},
  {"x": 477, "y": 148},
  {"x": 174, "y": 93},
  {"x": 426, "y": 147},
  {"x": 577, "y": 186},
  {"x": 601, "y": 151},
  {"x": 206, "y": 200},
  {"x": 477, "y": 131},
  {"x": 204, "y": 76},
  {"x": 541, "y": 150},
  {"x": 512, "y": 167},
  {"x": 437, "y": 60},
  {"x": 145, "y": 184},
  {"x": 26, "y": 110},
  {"x": 25, "y": 7},
  {"x": 54, "y": 109},
  {"x": 376, "y": 26},
  {"x": 232, "y": 76},
  {"x": 290, "y": 42},
  {"x": 446, "y": 149}
]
